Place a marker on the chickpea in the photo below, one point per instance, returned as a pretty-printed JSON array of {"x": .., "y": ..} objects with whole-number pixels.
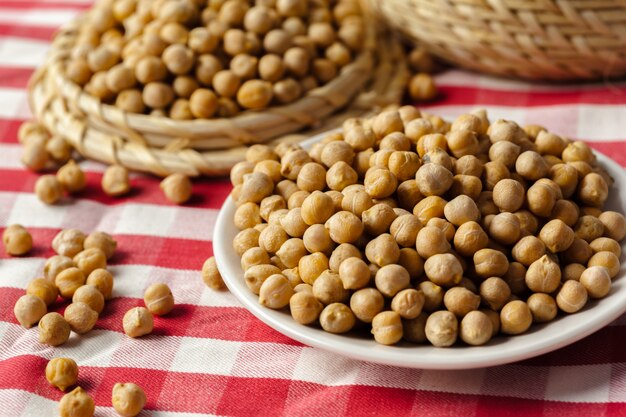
[
  {"x": 29, "y": 309},
  {"x": 341, "y": 253},
  {"x": 53, "y": 329},
  {"x": 343, "y": 226},
  {"x": 138, "y": 322},
  {"x": 317, "y": 208},
  {"x": 391, "y": 279},
  {"x": 115, "y": 181},
  {"x": 443, "y": 269},
  {"x": 460, "y": 301},
  {"x": 356, "y": 201},
  {"x": 476, "y": 328},
  {"x": 387, "y": 327},
  {"x": 76, "y": 404},
  {"x": 317, "y": 239},
  {"x": 593, "y": 190},
  {"x": 566, "y": 211},
  {"x": 470, "y": 238},
  {"x": 128, "y": 399},
  {"x": 578, "y": 252},
  {"x": 102, "y": 280},
  {"x": 504, "y": 152},
  {"x": 566, "y": 176},
  {"x": 337, "y": 318},
  {"x": 91, "y": 296},
  {"x": 597, "y": 281},
  {"x": 304, "y": 307},
  {"x": 17, "y": 240},
  {"x": 543, "y": 275},
  {"x": 90, "y": 259},
  {"x": 383, "y": 250},
  {"x": 490, "y": 263},
  {"x": 58, "y": 149},
  {"x": 150, "y": 69},
  {"x": 542, "y": 307},
  {"x": 159, "y": 299},
  {"x": 311, "y": 266},
  {"x": 409, "y": 195},
  {"x": 34, "y": 156},
  {"x": 614, "y": 225},
  {"x": 466, "y": 185},
  {"x": 48, "y": 189},
  {"x": 366, "y": 303},
  {"x": 378, "y": 219},
  {"x": 495, "y": 292},
  {"x": 572, "y": 272},
  {"x": 354, "y": 273},
  {"x": 588, "y": 228},
  {"x": 607, "y": 260},
  {"x": 80, "y": 317},
  {"x": 528, "y": 249},
  {"x": 461, "y": 209},
  {"x": 206, "y": 68},
  {"x": 541, "y": 199},
  {"x": 340, "y": 175},
  {"x": 275, "y": 292},
  {"x": 606, "y": 244},
  {"x": 422, "y": 87},
  {"x": 62, "y": 373},
  {"x": 431, "y": 241},
  {"x": 177, "y": 188},
  {"x": 515, "y": 317},
  {"x": 485, "y": 203},
  {"x": 408, "y": 303},
  {"x": 433, "y": 179},
  {"x": 505, "y": 228},
  {"x": 493, "y": 173},
  {"x": 69, "y": 280},
  {"x": 508, "y": 194},
  {"x": 293, "y": 162},
  {"x": 571, "y": 297},
  {"x": 44, "y": 289},
  {"x": 180, "y": 110},
  {"x": 312, "y": 177},
  {"x": 405, "y": 229},
  {"x": 469, "y": 165},
  {"x": 157, "y": 95},
  {"x": 442, "y": 328}
]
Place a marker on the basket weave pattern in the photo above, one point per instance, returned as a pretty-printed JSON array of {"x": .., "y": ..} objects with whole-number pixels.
[{"x": 536, "y": 39}]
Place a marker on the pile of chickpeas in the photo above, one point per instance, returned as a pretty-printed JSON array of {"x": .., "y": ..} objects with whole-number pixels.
[
  {"x": 128, "y": 399},
  {"x": 43, "y": 152},
  {"x": 428, "y": 231},
  {"x": 199, "y": 59}
]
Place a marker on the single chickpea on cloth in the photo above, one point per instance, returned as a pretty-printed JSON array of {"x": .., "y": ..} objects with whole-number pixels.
[{"x": 426, "y": 231}]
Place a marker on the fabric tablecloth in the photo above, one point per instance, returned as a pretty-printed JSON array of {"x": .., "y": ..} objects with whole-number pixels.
[{"x": 212, "y": 357}]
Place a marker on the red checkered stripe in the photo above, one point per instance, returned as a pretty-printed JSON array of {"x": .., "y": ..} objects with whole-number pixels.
[{"x": 212, "y": 357}]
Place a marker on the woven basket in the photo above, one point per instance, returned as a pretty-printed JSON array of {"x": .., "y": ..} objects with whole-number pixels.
[
  {"x": 162, "y": 146},
  {"x": 536, "y": 39}
]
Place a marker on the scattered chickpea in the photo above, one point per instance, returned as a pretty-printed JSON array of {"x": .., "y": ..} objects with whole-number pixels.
[
  {"x": 53, "y": 329},
  {"x": 115, "y": 181},
  {"x": 138, "y": 322},
  {"x": 29, "y": 309},
  {"x": 17, "y": 240},
  {"x": 422, "y": 87},
  {"x": 128, "y": 399},
  {"x": 48, "y": 189},
  {"x": 102, "y": 241},
  {"x": 80, "y": 317},
  {"x": 159, "y": 299},
  {"x": 62, "y": 373},
  {"x": 76, "y": 404}
]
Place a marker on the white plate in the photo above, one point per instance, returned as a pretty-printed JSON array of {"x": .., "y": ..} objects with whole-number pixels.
[{"x": 540, "y": 339}]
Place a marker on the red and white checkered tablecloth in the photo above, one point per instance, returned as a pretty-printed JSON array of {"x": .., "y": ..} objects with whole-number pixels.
[{"x": 212, "y": 357}]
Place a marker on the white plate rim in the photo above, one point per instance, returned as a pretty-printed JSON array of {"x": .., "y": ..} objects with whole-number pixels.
[{"x": 559, "y": 333}]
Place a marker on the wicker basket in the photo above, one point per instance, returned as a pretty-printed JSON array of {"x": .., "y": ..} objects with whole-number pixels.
[
  {"x": 536, "y": 39},
  {"x": 161, "y": 146}
]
